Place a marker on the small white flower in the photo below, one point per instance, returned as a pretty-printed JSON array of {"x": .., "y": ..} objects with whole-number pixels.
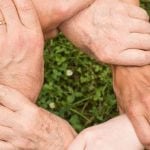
[
  {"x": 52, "y": 105},
  {"x": 69, "y": 72}
]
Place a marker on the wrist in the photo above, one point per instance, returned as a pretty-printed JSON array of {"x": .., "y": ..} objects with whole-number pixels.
[
  {"x": 56, "y": 133},
  {"x": 25, "y": 84},
  {"x": 53, "y": 12}
]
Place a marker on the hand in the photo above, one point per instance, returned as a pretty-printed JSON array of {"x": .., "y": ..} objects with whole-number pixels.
[
  {"x": 112, "y": 32},
  {"x": 21, "y": 48},
  {"x": 115, "y": 134},
  {"x": 132, "y": 88},
  {"x": 25, "y": 126},
  {"x": 53, "y": 12}
]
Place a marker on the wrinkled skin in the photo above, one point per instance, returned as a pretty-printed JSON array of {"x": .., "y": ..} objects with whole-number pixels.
[
  {"x": 111, "y": 32},
  {"x": 16, "y": 69},
  {"x": 132, "y": 88},
  {"x": 21, "y": 61},
  {"x": 53, "y": 12},
  {"x": 106, "y": 136},
  {"x": 25, "y": 126},
  {"x": 21, "y": 68},
  {"x": 11, "y": 32}
]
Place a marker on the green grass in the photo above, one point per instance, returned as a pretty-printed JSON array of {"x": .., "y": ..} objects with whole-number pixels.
[{"x": 76, "y": 87}]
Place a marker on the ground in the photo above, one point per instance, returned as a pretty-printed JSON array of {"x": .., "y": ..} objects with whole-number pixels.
[{"x": 77, "y": 87}]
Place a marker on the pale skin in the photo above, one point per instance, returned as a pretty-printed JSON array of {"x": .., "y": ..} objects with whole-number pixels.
[
  {"x": 53, "y": 12},
  {"x": 15, "y": 66},
  {"x": 111, "y": 32},
  {"x": 127, "y": 21},
  {"x": 132, "y": 90},
  {"x": 27, "y": 93},
  {"x": 26, "y": 126},
  {"x": 21, "y": 68},
  {"x": 14, "y": 75},
  {"x": 115, "y": 134},
  {"x": 138, "y": 115},
  {"x": 15, "y": 69}
]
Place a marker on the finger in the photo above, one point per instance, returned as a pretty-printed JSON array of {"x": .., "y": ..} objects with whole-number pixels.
[
  {"x": 7, "y": 117},
  {"x": 139, "y": 26},
  {"x": 6, "y": 134},
  {"x": 12, "y": 99},
  {"x": 133, "y": 57},
  {"x": 9, "y": 12},
  {"x": 138, "y": 41},
  {"x": 27, "y": 13},
  {"x": 142, "y": 128},
  {"x": 78, "y": 143},
  {"x": 137, "y": 12},
  {"x": 2, "y": 26},
  {"x": 6, "y": 146}
]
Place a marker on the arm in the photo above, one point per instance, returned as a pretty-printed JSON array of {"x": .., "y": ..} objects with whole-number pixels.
[
  {"x": 30, "y": 127},
  {"x": 21, "y": 71},
  {"x": 115, "y": 134},
  {"x": 24, "y": 76},
  {"x": 53, "y": 12},
  {"x": 131, "y": 86},
  {"x": 111, "y": 32},
  {"x": 23, "y": 125}
]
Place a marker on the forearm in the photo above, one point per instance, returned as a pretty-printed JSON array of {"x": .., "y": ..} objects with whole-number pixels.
[
  {"x": 131, "y": 86},
  {"x": 53, "y": 12}
]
